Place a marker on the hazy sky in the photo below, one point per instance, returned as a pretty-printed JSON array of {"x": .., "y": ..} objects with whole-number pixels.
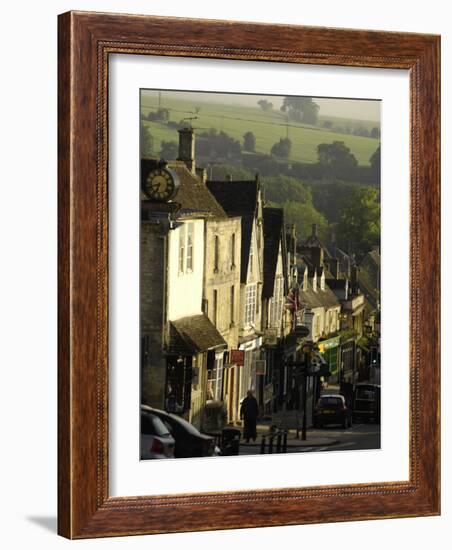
[{"x": 362, "y": 109}]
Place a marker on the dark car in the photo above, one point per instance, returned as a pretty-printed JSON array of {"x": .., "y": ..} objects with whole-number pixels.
[
  {"x": 366, "y": 403},
  {"x": 156, "y": 440},
  {"x": 331, "y": 409},
  {"x": 190, "y": 442}
]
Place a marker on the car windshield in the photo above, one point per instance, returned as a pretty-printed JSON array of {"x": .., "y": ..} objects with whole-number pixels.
[
  {"x": 151, "y": 425},
  {"x": 330, "y": 402}
]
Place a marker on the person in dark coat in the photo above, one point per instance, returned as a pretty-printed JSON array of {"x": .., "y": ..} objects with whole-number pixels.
[{"x": 249, "y": 411}]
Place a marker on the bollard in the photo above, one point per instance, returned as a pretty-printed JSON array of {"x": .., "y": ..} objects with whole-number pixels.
[
  {"x": 278, "y": 442},
  {"x": 263, "y": 445},
  {"x": 270, "y": 445},
  {"x": 284, "y": 447}
]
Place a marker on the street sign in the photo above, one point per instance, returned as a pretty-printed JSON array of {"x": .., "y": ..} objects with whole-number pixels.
[
  {"x": 237, "y": 357},
  {"x": 301, "y": 331}
]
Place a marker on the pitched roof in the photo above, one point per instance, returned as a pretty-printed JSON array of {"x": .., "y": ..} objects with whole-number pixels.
[
  {"x": 193, "y": 334},
  {"x": 322, "y": 298},
  {"x": 310, "y": 299},
  {"x": 274, "y": 237},
  {"x": 193, "y": 196},
  {"x": 313, "y": 241},
  {"x": 239, "y": 198}
]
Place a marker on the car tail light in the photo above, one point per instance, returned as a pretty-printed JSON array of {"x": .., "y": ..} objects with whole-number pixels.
[{"x": 157, "y": 446}]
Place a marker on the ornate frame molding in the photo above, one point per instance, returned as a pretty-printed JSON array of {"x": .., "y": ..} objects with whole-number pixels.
[{"x": 85, "y": 42}]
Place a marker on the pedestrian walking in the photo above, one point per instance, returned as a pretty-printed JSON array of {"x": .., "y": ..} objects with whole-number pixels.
[{"x": 249, "y": 411}]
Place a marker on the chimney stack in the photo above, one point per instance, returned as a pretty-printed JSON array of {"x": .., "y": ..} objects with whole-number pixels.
[
  {"x": 314, "y": 230},
  {"x": 187, "y": 148}
]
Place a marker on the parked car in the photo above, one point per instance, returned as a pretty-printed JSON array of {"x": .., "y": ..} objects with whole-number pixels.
[
  {"x": 156, "y": 440},
  {"x": 332, "y": 409},
  {"x": 366, "y": 403},
  {"x": 190, "y": 442}
]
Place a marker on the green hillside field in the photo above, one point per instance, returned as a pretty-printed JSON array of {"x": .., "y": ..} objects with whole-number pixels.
[{"x": 235, "y": 120}]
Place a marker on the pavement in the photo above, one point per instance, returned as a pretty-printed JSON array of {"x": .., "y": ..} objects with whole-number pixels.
[{"x": 291, "y": 422}]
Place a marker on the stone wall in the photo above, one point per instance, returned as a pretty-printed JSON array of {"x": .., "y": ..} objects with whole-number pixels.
[
  {"x": 222, "y": 277},
  {"x": 152, "y": 306}
]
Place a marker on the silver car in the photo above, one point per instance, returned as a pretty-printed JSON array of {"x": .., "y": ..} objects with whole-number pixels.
[{"x": 156, "y": 440}]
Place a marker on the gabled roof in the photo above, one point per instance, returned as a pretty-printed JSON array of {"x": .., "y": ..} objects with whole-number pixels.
[
  {"x": 322, "y": 298},
  {"x": 313, "y": 241},
  {"x": 193, "y": 334},
  {"x": 193, "y": 196},
  {"x": 310, "y": 299},
  {"x": 239, "y": 198},
  {"x": 274, "y": 237}
]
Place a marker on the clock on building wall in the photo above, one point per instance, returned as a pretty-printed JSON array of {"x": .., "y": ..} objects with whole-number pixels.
[{"x": 161, "y": 184}]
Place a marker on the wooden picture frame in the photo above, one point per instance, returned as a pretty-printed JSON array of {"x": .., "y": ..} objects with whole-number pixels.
[{"x": 85, "y": 508}]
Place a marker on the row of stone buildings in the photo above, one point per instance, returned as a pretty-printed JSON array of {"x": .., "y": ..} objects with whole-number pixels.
[{"x": 224, "y": 286}]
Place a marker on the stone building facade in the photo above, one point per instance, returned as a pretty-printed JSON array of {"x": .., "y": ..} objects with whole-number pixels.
[{"x": 244, "y": 199}]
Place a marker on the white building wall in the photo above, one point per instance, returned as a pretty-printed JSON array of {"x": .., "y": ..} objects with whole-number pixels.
[{"x": 185, "y": 289}]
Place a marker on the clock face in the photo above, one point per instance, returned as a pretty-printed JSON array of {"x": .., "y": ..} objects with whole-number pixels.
[{"x": 160, "y": 185}]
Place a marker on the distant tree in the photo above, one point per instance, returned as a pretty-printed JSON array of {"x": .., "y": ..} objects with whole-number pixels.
[
  {"x": 213, "y": 144},
  {"x": 161, "y": 114},
  {"x": 361, "y": 131},
  {"x": 327, "y": 124},
  {"x": 249, "y": 142},
  {"x": 375, "y": 164},
  {"x": 169, "y": 150},
  {"x": 330, "y": 198},
  {"x": 301, "y": 109},
  {"x": 336, "y": 157},
  {"x": 358, "y": 229},
  {"x": 146, "y": 142},
  {"x": 265, "y": 105},
  {"x": 284, "y": 188},
  {"x": 282, "y": 148},
  {"x": 303, "y": 215},
  {"x": 375, "y": 133}
]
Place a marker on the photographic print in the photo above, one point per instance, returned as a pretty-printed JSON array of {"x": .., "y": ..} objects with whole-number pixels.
[
  {"x": 259, "y": 274},
  {"x": 219, "y": 278}
]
